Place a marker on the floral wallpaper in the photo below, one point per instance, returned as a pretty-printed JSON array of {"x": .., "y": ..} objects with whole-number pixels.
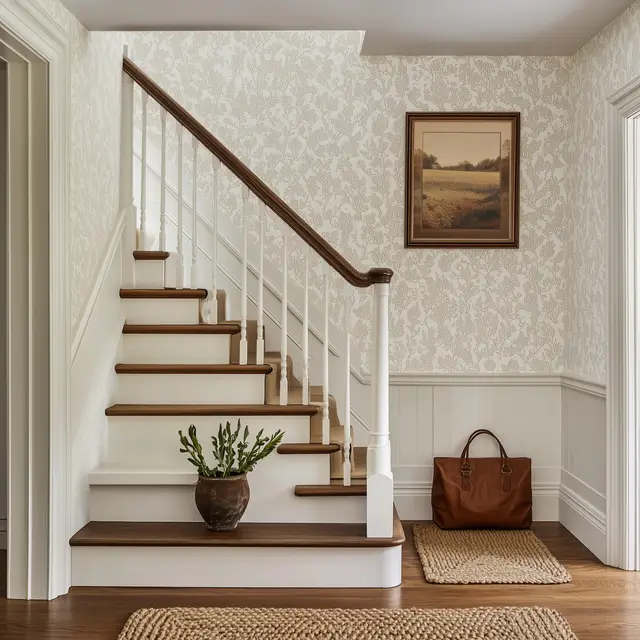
[
  {"x": 602, "y": 67},
  {"x": 96, "y": 70},
  {"x": 324, "y": 127}
]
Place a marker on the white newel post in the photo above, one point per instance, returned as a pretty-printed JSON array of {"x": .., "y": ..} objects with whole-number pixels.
[
  {"x": 126, "y": 182},
  {"x": 379, "y": 475}
]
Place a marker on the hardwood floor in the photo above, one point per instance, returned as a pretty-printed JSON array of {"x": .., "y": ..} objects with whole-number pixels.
[{"x": 600, "y": 603}]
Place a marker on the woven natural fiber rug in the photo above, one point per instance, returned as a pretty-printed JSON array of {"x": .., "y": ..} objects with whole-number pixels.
[
  {"x": 347, "y": 624},
  {"x": 481, "y": 556}
]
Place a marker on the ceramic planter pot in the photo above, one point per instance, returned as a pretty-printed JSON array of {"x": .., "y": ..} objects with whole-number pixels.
[{"x": 222, "y": 501}]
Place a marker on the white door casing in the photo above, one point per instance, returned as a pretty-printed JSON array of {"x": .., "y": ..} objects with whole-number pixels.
[
  {"x": 38, "y": 530},
  {"x": 623, "y": 371}
]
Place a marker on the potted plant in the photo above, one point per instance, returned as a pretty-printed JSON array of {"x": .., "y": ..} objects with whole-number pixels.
[{"x": 222, "y": 491}]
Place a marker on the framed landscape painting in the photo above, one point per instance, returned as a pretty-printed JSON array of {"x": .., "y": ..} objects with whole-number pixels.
[{"x": 462, "y": 180}]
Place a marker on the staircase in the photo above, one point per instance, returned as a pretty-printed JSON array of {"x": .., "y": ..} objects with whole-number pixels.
[{"x": 317, "y": 516}]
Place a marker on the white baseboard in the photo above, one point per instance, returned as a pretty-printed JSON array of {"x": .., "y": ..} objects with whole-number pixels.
[
  {"x": 413, "y": 501},
  {"x": 584, "y": 521}
]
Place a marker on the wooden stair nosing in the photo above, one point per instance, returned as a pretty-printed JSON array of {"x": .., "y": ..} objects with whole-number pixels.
[
  {"x": 193, "y": 368},
  {"x": 328, "y": 490},
  {"x": 162, "y": 294},
  {"x": 307, "y": 448},
  {"x": 186, "y": 329},
  {"x": 150, "y": 255},
  {"x": 211, "y": 410},
  {"x": 248, "y": 534}
]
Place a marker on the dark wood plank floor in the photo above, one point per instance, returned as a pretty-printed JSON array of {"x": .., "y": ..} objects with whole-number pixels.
[{"x": 601, "y": 603}]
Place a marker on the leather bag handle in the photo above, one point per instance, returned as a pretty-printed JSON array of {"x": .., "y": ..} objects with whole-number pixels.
[{"x": 465, "y": 467}]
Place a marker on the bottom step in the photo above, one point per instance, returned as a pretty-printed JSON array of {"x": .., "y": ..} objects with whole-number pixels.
[{"x": 185, "y": 554}]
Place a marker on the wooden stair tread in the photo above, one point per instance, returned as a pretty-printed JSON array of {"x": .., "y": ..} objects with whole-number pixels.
[
  {"x": 178, "y": 294},
  {"x": 319, "y": 490},
  {"x": 249, "y": 534},
  {"x": 307, "y": 448},
  {"x": 211, "y": 410},
  {"x": 150, "y": 255},
  {"x": 217, "y": 329},
  {"x": 194, "y": 368}
]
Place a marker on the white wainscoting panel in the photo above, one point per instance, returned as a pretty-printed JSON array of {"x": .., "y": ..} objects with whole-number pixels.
[
  {"x": 584, "y": 458},
  {"x": 430, "y": 419}
]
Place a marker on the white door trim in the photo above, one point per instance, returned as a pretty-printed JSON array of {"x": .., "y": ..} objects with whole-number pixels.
[
  {"x": 51, "y": 575},
  {"x": 623, "y": 374}
]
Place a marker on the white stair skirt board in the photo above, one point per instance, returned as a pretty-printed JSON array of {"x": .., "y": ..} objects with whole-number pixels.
[
  {"x": 313, "y": 567},
  {"x": 195, "y": 388},
  {"x": 161, "y": 311},
  {"x": 149, "y": 274},
  {"x": 175, "y": 348}
]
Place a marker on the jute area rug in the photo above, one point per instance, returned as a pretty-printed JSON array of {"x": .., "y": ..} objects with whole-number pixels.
[
  {"x": 485, "y": 557},
  {"x": 347, "y": 624}
]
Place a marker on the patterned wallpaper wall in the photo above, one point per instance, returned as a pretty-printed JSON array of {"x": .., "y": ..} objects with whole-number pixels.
[
  {"x": 599, "y": 69},
  {"x": 96, "y": 72},
  {"x": 324, "y": 127}
]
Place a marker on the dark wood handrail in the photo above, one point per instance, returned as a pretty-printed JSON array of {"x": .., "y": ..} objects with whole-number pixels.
[{"x": 256, "y": 185}]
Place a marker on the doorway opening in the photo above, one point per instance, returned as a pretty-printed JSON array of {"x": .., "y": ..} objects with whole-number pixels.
[{"x": 24, "y": 319}]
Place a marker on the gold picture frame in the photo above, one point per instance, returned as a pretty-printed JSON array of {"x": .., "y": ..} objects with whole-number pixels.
[{"x": 462, "y": 180}]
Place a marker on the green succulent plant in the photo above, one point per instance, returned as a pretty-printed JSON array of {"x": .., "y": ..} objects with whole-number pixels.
[{"x": 232, "y": 454}]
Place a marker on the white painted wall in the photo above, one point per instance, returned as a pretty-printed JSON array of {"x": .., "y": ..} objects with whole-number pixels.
[
  {"x": 93, "y": 379},
  {"x": 3, "y": 298}
]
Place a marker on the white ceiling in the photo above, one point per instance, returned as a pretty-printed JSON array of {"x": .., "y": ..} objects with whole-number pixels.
[{"x": 402, "y": 27}]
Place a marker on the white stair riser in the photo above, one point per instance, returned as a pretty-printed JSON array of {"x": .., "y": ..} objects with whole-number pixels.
[
  {"x": 150, "y": 443},
  {"x": 176, "y": 348},
  {"x": 272, "y": 500},
  {"x": 149, "y": 274},
  {"x": 148, "y": 388},
  {"x": 297, "y": 567},
  {"x": 161, "y": 311}
]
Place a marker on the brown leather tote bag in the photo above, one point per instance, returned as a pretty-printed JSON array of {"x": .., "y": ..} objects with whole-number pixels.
[{"x": 482, "y": 493}]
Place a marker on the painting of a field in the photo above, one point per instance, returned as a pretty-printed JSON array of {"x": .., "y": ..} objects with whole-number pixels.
[
  {"x": 460, "y": 199},
  {"x": 462, "y": 180}
]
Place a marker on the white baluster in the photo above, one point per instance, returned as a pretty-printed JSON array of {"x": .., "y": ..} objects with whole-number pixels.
[
  {"x": 180, "y": 265},
  {"x": 346, "y": 465},
  {"x": 211, "y": 305},
  {"x": 305, "y": 330},
  {"x": 194, "y": 218},
  {"x": 163, "y": 181},
  {"x": 244, "y": 351},
  {"x": 260, "y": 339},
  {"x": 126, "y": 181},
  {"x": 326, "y": 425},
  {"x": 284, "y": 382},
  {"x": 142, "y": 241},
  {"x": 379, "y": 475}
]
